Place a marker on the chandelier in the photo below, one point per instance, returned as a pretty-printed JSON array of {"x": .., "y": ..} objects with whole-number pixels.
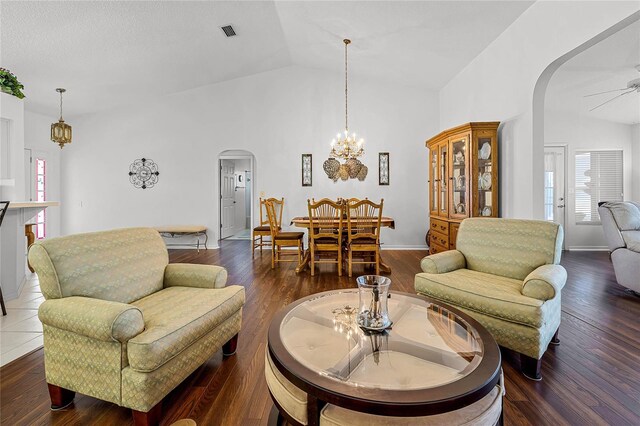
[
  {"x": 346, "y": 146},
  {"x": 60, "y": 131}
]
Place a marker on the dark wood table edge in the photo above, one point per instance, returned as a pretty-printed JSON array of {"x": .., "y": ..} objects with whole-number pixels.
[{"x": 440, "y": 402}]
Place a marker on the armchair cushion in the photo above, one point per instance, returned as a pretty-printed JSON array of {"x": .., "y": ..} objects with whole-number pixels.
[
  {"x": 191, "y": 275},
  {"x": 492, "y": 295},
  {"x": 446, "y": 261},
  {"x": 175, "y": 318},
  {"x": 626, "y": 215},
  {"x": 94, "y": 318},
  {"x": 511, "y": 248},
  {"x": 544, "y": 282},
  {"x": 632, "y": 240}
]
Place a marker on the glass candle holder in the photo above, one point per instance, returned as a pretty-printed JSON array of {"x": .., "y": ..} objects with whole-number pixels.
[{"x": 373, "y": 292}]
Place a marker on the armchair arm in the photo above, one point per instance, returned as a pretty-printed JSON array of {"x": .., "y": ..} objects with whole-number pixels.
[
  {"x": 544, "y": 282},
  {"x": 191, "y": 275},
  {"x": 95, "y": 318},
  {"x": 446, "y": 261}
]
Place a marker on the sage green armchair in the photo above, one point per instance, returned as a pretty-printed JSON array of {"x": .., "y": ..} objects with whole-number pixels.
[
  {"x": 505, "y": 273},
  {"x": 122, "y": 325}
]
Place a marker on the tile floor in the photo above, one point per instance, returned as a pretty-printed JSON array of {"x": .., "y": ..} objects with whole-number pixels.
[{"x": 20, "y": 329}]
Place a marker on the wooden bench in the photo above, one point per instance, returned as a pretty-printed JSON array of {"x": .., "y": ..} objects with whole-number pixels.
[{"x": 185, "y": 230}]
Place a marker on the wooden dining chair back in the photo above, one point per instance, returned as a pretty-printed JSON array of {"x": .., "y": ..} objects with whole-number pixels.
[
  {"x": 4, "y": 206},
  {"x": 262, "y": 231},
  {"x": 281, "y": 239},
  {"x": 363, "y": 233},
  {"x": 325, "y": 233}
]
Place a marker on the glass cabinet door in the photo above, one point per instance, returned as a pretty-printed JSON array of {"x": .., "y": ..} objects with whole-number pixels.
[
  {"x": 443, "y": 201},
  {"x": 433, "y": 181},
  {"x": 459, "y": 177},
  {"x": 486, "y": 176}
]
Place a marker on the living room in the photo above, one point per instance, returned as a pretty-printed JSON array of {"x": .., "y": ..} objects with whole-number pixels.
[{"x": 136, "y": 134}]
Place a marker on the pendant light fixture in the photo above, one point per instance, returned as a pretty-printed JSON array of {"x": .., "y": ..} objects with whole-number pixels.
[
  {"x": 61, "y": 131},
  {"x": 345, "y": 146}
]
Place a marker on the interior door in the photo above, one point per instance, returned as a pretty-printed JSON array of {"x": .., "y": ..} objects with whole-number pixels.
[
  {"x": 228, "y": 198},
  {"x": 554, "y": 184}
]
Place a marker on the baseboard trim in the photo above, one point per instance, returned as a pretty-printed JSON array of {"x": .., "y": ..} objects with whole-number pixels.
[
  {"x": 588, "y": 248},
  {"x": 401, "y": 247}
]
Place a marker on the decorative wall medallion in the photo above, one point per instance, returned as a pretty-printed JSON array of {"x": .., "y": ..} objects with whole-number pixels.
[
  {"x": 383, "y": 168},
  {"x": 143, "y": 173},
  {"x": 307, "y": 170}
]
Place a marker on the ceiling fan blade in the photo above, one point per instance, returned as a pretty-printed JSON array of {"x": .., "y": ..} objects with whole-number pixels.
[
  {"x": 602, "y": 93},
  {"x": 614, "y": 98}
]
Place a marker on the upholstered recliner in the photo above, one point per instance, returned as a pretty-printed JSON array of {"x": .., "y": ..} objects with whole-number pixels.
[
  {"x": 621, "y": 224},
  {"x": 505, "y": 273},
  {"x": 122, "y": 325}
]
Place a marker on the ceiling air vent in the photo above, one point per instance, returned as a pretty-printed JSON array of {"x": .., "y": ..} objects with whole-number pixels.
[{"x": 228, "y": 30}]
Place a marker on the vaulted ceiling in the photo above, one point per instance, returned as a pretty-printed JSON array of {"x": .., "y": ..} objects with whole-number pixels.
[
  {"x": 108, "y": 53},
  {"x": 607, "y": 66}
]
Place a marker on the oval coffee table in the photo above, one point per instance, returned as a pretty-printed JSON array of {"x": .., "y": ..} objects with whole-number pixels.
[{"x": 435, "y": 359}]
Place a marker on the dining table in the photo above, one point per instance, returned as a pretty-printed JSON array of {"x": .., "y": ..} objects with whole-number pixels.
[{"x": 304, "y": 222}]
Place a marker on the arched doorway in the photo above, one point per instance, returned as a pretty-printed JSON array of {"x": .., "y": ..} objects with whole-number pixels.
[
  {"x": 553, "y": 154},
  {"x": 236, "y": 194}
]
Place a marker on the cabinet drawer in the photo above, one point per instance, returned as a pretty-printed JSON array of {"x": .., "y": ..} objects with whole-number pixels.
[
  {"x": 440, "y": 226},
  {"x": 436, "y": 248},
  {"x": 439, "y": 239}
]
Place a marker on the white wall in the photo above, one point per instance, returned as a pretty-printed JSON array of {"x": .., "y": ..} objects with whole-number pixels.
[
  {"x": 12, "y": 110},
  {"x": 278, "y": 116},
  {"x": 578, "y": 132},
  {"x": 499, "y": 85},
  {"x": 635, "y": 176},
  {"x": 37, "y": 137}
]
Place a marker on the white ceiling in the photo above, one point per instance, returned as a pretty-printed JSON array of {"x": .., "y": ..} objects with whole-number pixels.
[
  {"x": 608, "y": 65},
  {"x": 108, "y": 53}
]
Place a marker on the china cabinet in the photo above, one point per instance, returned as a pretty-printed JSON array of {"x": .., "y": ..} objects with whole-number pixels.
[{"x": 463, "y": 180}]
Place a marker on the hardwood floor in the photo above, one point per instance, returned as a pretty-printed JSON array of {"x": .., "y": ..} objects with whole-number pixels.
[{"x": 592, "y": 378}]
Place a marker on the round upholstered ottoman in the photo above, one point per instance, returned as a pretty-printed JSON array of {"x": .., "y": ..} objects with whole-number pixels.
[{"x": 292, "y": 403}]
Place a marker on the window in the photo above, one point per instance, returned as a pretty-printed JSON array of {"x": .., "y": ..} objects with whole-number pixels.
[
  {"x": 41, "y": 195},
  {"x": 549, "y": 172},
  {"x": 598, "y": 178}
]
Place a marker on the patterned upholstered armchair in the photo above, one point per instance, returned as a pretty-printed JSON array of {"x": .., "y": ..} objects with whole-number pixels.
[
  {"x": 505, "y": 273},
  {"x": 122, "y": 325}
]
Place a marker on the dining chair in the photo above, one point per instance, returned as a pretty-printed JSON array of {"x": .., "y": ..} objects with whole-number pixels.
[
  {"x": 262, "y": 231},
  {"x": 363, "y": 233},
  {"x": 4, "y": 206},
  {"x": 325, "y": 233},
  {"x": 281, "y": 239}
]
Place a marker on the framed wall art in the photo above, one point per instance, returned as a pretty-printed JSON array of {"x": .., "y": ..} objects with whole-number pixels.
[
  {"x": 383, "y": 168},
  {"x": 143, "y": 173},
  {"x": 307, "y": 170}
]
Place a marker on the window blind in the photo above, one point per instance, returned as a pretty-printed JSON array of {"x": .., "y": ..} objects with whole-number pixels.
[{"x": 598, "y": 178}]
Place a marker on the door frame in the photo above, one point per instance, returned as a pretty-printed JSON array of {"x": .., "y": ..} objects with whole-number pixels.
[
  {"x": 565, "y": 149},
  {"x": 222, "y": 156}
]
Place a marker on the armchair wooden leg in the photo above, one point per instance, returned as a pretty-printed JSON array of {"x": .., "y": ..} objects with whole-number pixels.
[
  {"x": 530, "y": 367},
  {"x": 230, "y": 347},
  {"x": 150, "y": 418},
  {"x": 60, "y": 397},
  {"x": 555, "y": 341}
]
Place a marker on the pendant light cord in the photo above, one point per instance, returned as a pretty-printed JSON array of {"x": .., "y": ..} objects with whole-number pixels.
[{"x": 61, "y": 106}]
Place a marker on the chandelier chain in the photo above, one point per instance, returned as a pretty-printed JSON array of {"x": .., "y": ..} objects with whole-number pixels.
[
  {"x": 346, "y": 89},
  {"x": 61, "y": 105}
]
